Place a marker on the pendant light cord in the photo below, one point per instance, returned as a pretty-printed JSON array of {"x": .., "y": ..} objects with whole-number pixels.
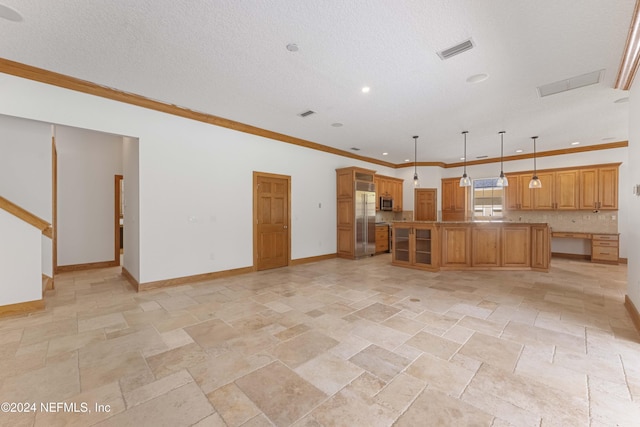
[
  {"x": 535, "y": 169},
  {"x": 501, "y": 150},
  {"x": 465, "y": 151},
  {"x": 415, "y": 155}
]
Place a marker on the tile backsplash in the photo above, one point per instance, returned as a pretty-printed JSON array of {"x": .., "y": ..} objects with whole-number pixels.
[
  {"x": 394, "y": 216},
  {"x": 572, "y": 221}
]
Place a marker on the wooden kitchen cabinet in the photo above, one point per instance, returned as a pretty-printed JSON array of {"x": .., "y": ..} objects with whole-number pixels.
[
  {"x": 455, "y": 200},
  {"x": 389, "y": 187},
  {"x": 567, "y": 189},
  {"x": 518, "y": 194},
  {"x": 456, "y": 246},
  {"x": 345, "y": 191},
  {"x": 544, "y": 198},
  {"x": 605, "y": 248},
  {"x": 382, "y": 238},
  {"x": 540, "y": 247},
  {"x": 415, "y": 245},
  {"x": 486, "y": 246},
  {"x": 599, "y": 188},
  {"x": 516, "y": 246}
]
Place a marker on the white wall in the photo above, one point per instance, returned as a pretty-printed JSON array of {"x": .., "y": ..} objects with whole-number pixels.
[
  {"x": 20, "y": 261},
  {"x": 195, "y": 181},
  {"x": 25, "y": 164},
  {"x": 633, "y": 202},
  {"x": 130, "y": 159},
  {"x": 87, "y": 164}
]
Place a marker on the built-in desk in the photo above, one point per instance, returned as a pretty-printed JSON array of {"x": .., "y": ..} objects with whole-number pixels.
[{"x": 604, "y": 247}]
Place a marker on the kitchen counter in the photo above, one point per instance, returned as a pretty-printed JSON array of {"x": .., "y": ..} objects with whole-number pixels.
[{"x": 475, "y": 245}]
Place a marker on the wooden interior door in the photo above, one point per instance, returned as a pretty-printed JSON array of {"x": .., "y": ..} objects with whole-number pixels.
[
  {"x": 426, "y": 204},
  {"x": 271, "y": 220}
]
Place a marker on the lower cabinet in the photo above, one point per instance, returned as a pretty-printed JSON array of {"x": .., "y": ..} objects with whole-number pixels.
[
  {"x": 541, "y": 247},
  {"x": 486, "y": 247},
  {"x": 477, "y": 246},
  {"x": 456, "y": 246},
  {"x": 604, "y": 248},
  {"x": 414, "y": 246},
  {"x": 516, "y": 246},
  {"x": 382, "y": 238}
]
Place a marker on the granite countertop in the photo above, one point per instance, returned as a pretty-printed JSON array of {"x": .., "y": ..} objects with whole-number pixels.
[{"x": 471, "y": 222}]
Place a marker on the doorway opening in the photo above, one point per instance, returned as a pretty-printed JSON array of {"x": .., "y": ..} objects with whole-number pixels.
[{"x": 118, "y": 215}]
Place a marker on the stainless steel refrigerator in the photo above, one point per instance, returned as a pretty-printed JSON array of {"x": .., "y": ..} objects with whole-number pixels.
[{"x": 365, "y": 211}]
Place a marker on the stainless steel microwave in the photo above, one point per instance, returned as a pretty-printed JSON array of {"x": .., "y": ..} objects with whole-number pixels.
[{"x": 386, "y": 203}]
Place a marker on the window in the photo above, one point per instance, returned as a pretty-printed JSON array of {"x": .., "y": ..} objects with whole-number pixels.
[{"x": 487, "y": 198}]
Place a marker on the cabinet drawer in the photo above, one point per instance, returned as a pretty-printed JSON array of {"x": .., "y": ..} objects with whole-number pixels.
[
  {"x": 604, "y": 254},
  {"x": 607, "y": 243},
  {"x": 571, "y": 235},
  {"x": 605, "y": 237}
]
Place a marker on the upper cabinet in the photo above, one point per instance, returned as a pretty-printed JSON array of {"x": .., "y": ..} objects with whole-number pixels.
[
  {"x": 518, "y": 195},
  {"x": 389, "y": 187},
  {"x": 599, "y": 188},
  {"x": 594, "y": 187},
  {"x": 455, "y": 200}
]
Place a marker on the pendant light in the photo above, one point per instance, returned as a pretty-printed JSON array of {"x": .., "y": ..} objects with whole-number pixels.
[
  {"x": 465, "y": 181},
  {"x": 502, "y": 180},
  {"x": 416, "y": 182},
  {"x": 535, "y": 181}
]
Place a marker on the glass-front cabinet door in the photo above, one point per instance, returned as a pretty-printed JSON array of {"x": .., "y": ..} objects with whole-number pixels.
[
  {"x": 423, "y": 246},
  {"x": 401, "y": 244},
  {"x": 415, "y": 245}
]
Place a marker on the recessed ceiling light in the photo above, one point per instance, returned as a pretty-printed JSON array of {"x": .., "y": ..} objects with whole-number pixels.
[
  {"x": 621, "y": 100},
  {"x": 366, "y": 89},
  {"x": 575, "y": 143},
  {"x": 477, "y": 78},
  {"x": 385, "y": 154},
  {"x": 336, "y": 125},
  {"x": 9, "y": 14},
  {"x": 519, "y": 150},
  {"x": 407, "y": 160},
  {"x": 292, "y": 47},
  {"x": 461, "y": 158}
]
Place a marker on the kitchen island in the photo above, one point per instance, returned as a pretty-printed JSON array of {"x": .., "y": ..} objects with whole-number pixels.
[{"x": 480, "y": 245}]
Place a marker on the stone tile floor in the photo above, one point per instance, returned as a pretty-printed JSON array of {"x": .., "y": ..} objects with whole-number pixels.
[{"x": 333, "y": 343}]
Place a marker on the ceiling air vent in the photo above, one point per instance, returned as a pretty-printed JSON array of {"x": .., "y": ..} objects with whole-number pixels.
[
  {"x": 570, "y": 83},
  {"x": 355, "y": 148},
  {"x": 306, "y": 113},
  {"x": 454, "y": 50}
]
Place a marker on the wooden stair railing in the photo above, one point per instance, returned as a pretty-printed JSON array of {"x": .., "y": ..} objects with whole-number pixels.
[{"x": 27, "y": 216}]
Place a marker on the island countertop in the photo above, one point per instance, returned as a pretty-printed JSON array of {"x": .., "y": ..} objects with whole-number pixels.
[{"x": 471, "y": 245}]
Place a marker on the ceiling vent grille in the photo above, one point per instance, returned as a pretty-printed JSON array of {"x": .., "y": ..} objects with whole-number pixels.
[
  {"x": 571, "y": 83},
  {"x": 457, "y": 49},
  {"x": 355, "y": 149},
  {"x": 306, "y": 113}
]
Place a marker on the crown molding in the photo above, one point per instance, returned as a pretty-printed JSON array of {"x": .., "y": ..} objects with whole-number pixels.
[
  {"x": 631, "y": 54},
  {"x": 67, "y": 82}
]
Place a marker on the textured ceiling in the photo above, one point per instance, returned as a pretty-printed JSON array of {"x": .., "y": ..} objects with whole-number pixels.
[{"x": 229, "y": 58}]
